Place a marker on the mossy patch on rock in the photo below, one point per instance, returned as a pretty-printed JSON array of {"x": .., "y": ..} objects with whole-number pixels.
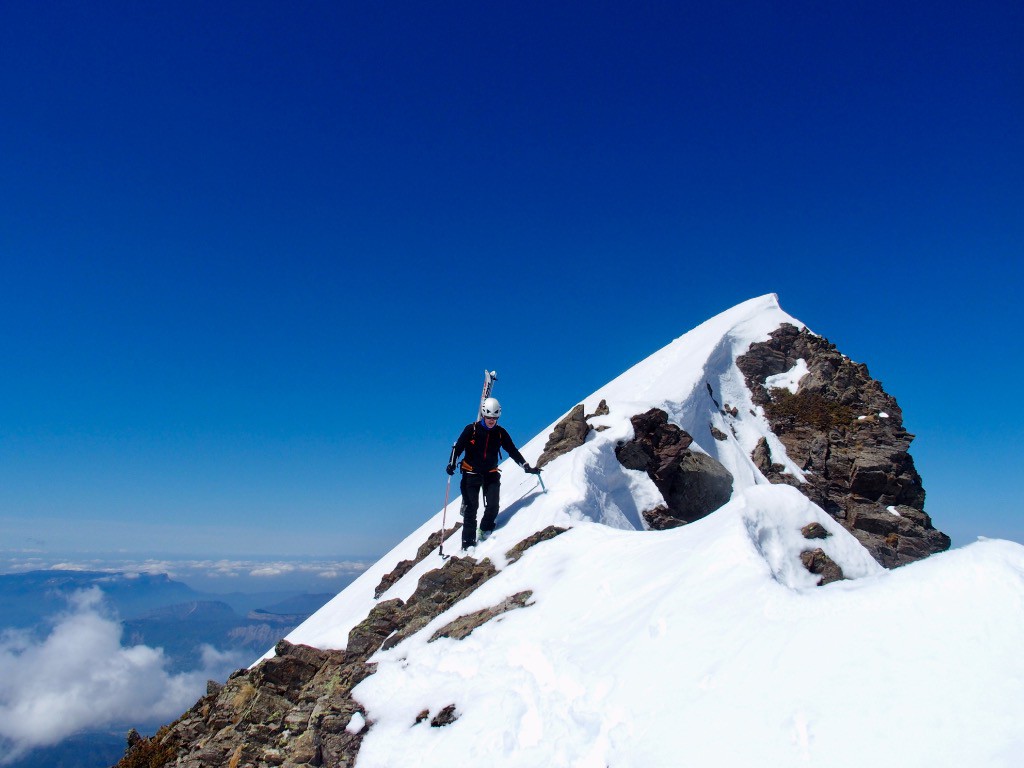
[{"x": 810, "y": 408}]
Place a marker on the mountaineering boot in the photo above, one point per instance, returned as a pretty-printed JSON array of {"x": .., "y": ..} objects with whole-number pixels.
[{"x": 482, "y": 535}]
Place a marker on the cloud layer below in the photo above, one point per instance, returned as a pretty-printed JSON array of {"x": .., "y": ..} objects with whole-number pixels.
[{"x": 79, "y": 677}]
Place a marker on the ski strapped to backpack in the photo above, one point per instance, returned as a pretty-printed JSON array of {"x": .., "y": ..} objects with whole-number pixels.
[{"x": 489, "y": 378}]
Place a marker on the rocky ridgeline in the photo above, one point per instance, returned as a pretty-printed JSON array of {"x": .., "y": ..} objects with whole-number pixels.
[
  {"x": 296, "y": 708},
  {"x": 847, "y": 435},
  {"x": 840, "y": 427}
]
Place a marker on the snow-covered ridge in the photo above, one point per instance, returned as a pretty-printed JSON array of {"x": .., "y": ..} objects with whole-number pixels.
[
  {"x": 589, "y": 484},
  {"x": 656, "y": 648}
]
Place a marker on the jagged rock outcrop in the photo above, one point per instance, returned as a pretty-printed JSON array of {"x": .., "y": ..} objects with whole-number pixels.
[
  {"x": 571, "y": 432},
  {"x": 437, "y": 591},
  {"x": 433, "y": 542},
  {"x": 693, "y": 484},
  {"x": 289, "y": 710},
  {"x": 846, "y": 433},
  {"x": 296, "y": 708}
]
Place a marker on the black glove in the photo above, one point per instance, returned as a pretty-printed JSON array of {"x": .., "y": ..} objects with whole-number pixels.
[
  {"x": 450, "y": 469},
  {"x": 530, "y": 470}
]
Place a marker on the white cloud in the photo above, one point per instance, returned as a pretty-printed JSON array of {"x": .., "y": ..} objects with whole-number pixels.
[
  {"x": 273, "y": 569},
  {"x": 80, "y": 676}
]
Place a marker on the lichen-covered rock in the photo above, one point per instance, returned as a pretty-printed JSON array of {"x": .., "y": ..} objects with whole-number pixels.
[
  {"x": 532, "y": 540},
  {"x": 846, "y": 434},
  {"x": 568, "y": 434},
  {"x": 283, "y": 711},
  {"x": 463, "y": 626},
  {"x": 437, "y": 591},
  {"x": 433, "y": 542}
]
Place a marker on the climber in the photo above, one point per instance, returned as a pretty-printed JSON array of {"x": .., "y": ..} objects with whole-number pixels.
[{"x": 481, "y": 441}]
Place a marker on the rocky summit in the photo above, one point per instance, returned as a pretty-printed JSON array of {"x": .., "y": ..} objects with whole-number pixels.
[{"x": 846, "y": 434}]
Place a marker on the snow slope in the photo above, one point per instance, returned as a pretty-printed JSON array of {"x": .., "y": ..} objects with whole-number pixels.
[{"x": 704, "y": 645}]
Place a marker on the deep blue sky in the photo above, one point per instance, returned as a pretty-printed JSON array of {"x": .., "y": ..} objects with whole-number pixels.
[{"x": 254, "y": 257}]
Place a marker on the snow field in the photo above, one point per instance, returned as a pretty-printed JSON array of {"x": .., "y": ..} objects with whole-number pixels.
[{"x": 686, "y": 647}]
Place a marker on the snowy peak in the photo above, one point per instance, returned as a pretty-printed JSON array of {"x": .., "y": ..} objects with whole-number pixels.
[{"x": 706, "y": 560}]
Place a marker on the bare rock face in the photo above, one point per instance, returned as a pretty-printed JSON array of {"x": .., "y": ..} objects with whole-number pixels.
[
  {"x": 693, "y": 484},
  {"x": 846, "y": 433},
  {"x": 290, "y": 710}
]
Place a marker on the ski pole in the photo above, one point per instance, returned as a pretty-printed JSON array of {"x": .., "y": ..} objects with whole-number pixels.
[{"x": 444, "y": 515}]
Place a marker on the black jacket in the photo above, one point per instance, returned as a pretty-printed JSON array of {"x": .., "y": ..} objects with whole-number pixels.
[{"x": 481, "y": 446}]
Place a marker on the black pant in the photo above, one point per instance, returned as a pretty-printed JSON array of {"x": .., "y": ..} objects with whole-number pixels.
[{"x": 470, "y": 486}]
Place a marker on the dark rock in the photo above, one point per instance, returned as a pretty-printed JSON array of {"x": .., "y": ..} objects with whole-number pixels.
[
  {"x": 854, "y": 467},
  {"x": 291, "y": 669},
  {"x": 571, "y": 432},
  {"x": 446, "y": 716},
  {"x": 762, "y": 456},
  {"x": 634, "y": 455},
  {"x": 660, "y": 519},
  {"x": 718, "y": 434},
  {"x": 776, "y": 473},
  {"x": 439, "y": 590},
  {"x": 711, "y": 394},
  {"x": 693, "y": 484},
  {"x": 463, "y": 626},
  {"x": 532, "y": 540},
  {"x": 366, "y": 638},
  {"x": 433, "y": 542},
  {"x": 602, "y": 410},
  {"x": 820, "y": 564},
  {"x": 814, "y": 531},
  {"x": 895, "y": 539}
]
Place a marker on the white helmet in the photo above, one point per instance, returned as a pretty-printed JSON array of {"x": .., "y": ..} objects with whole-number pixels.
[{"x": 491, "y": 409}]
